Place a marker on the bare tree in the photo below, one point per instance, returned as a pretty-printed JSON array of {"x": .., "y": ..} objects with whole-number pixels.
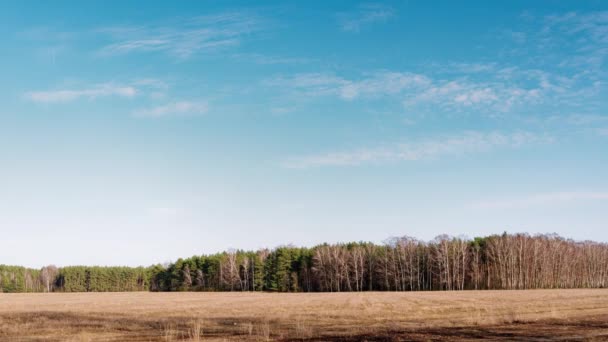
[
  {"x": 187, "y": 282},
  {"x": 47, "y": 277}
]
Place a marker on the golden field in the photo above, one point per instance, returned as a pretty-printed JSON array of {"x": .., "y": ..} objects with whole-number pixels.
[{"x": 532, "y": 315}]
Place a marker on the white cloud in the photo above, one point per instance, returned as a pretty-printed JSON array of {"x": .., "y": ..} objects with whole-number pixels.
[
  {"x": 593, "y": 24},
  {"x": 365, "y": 15},
  {"x": 484, "y": 95},
  {"x": 311, "y": 84},
  {"x": 462, "y": 68},
  {"x": 541, "y": 199},
  {"x": 582, "y": 35},
  {"x": 374, "y": 84},
  {"x": 182, "y": 39},
  {"x": 458, "y": 94},
  {"x": 67, "y": 95},
  {"x": 95, "y": 91},
  {"x": 180, "y": 108},
  {"x": 488, "y": 88},
  {"x": 270, "y": 60},
  {"x": 414, "y": 89},
  {"x": 384, "y": 83},
  {"x": 468, "y": 142}
]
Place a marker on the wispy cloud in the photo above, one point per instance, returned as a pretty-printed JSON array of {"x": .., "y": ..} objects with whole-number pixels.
[
  {"x": 415, "y": 89},
  {"x": 584, "y": 35},
  {"x": 463, "y": 68},
  {"x": 593, "y": 24},
  {"x": 93, "y": 92},
  {"x": 180, "y": 108},
  {"x": 463, "y": 94},
  {"x": 484, "y": 88},
  {"x": 579, "y": 119},
  {"x": 374, "y": 84},
  {"x": 517, "y": 36},
  {"x": 271, "y": 60},
  {"x": 363, "y": 16},
  {"x": 97, "y": 90},
  {"x": 468, "y": 142},
  {"x": 183, "y": 39},
  {"x": 541, "y": 199}
]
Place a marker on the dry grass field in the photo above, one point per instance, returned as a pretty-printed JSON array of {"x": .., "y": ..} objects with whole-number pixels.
[{"x": 539, "y": 315}]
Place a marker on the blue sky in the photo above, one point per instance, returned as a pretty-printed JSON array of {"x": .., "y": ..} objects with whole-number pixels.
[{"x": 134, "y": 133}]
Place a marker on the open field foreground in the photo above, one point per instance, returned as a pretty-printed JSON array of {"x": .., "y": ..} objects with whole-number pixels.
[{"x": 535, "y": 315}]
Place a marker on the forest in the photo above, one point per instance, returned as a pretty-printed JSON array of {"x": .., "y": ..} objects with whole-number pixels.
[{"x": 507, "y": 261}]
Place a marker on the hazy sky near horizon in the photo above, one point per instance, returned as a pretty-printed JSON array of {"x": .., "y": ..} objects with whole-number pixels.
[{"x": 139, "y": 132}]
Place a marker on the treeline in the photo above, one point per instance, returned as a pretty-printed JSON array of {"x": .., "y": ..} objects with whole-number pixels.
[
  {"x": 74, "y": 279},
  {"x": 516, "y": 261}
]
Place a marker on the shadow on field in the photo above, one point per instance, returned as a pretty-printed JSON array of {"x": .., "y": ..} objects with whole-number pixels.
[
  {"x": 58, "y": 326},
  {"x": 595, "y": 329}
]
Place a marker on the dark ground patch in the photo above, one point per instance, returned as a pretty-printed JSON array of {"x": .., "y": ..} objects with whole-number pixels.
[
  {"x": 143, "y": 329},
  {"x": 591, "y": 329}
]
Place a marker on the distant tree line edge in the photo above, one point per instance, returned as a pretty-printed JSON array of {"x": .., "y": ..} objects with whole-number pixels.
[{"x": 507, "y": 261}]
